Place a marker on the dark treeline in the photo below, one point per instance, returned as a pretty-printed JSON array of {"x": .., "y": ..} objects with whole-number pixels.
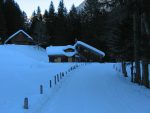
[
  {"x": 11, "y": 18},
  {"x": 61, "y": 27},
  {"x": 128, "y": 37},
  {"x": 57, "y": 27},
  {"x": 120, "y": 28}
]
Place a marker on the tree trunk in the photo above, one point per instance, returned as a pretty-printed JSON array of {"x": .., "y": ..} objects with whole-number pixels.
[
  {"x": 137, "y": 34},
  {"x": 2, "y": 25},
  {"x": 146, "y": 25},
  {"x": 124, "y": 69},
  {"x": 145, "y": 71},
  {"x": 132, "y": 74}
]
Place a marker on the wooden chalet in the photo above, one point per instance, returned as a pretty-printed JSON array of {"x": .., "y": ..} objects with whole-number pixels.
[
  {"x": 62, "y": 54},
  {"x": 20, "y": 38},
  {"x": 88, "y": 53},
  {"x": 80, "y": 52}
]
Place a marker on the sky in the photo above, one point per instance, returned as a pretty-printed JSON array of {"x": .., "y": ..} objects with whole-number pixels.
[{"x": 30, "y": 5}]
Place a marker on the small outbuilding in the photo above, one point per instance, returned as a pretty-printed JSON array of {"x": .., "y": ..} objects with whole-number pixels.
[{"x": 20, "y": 38}]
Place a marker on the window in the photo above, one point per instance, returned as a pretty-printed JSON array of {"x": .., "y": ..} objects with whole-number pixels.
[
  {"x": 70, "y": 59},
  {"x": 69, "y": 50},
  {"x": 57, "y": 59}
]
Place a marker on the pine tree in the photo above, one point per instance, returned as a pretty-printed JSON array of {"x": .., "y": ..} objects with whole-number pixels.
[
  {"x": 61, "y": 25},
  {"x": 46, "y": 22},
  {"x": 91, "y": 9},
  {"x": 26, "y": 21},
  {"x": 137, "y": 37},
  {"x": 52, "y": 9},
  {"x": 45, "y": 16},
  {"x": 74, "y": 25},
  {"x": 2, "y": 23},
  {"x": 61, "y": 9},
  {"x": 33, "y": 15},
  {"x": 145, "y": 31},
  {"x": 33, "y": 23},
  {"x": 16, "y": 22},
  {"x": 38, "y": 28},
  {"x": 92, "y": 20},
  {"x": 117, "y": 31},
  {"x": 51, "y": 22},
  {"x": 39, "y": 15}
]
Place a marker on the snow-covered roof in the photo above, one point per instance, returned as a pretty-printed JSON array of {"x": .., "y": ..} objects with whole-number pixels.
[
  {"x": 90, "y": 47},
  {"x": 20, "y": 31},
  {"x": 60, "y": 50}
]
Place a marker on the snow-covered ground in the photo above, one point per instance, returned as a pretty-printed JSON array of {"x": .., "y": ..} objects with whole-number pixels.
[
  {"x": 97, "y": 88},
  {"x": 91, "y": 88},
  {"x": 22, "y": 70},
  {"x": 118, "y": 68}
]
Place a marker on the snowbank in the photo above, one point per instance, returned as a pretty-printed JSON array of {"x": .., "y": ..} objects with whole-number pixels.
[
  {"x": 118, "y": 68},
  {"x": 22, "y": 52},
  {"x": 22, "y": 70},
  {"x": 60, "y": 50}
]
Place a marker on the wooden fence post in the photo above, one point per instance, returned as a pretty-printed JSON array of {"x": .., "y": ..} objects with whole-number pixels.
[
  {"x": 60, "y": 76},
  {"x": 26, "y": 106},
  {"x": 50, "y": 84},
  {"x": 57, "y": 77},
  {"x": 41, "y": 89},
  {"x": 55, "y": 80},
  {"x": 63, "y": 74},
  {"x": 76, "y": 66}
]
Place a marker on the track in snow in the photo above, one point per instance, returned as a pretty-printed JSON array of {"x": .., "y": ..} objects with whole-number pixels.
[{"x": 97, "y": 88}]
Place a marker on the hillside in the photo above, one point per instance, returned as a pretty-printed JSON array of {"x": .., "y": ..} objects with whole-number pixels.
[
  {"x": 82, "y": 5},
  {"x": 20, "y": 54}
]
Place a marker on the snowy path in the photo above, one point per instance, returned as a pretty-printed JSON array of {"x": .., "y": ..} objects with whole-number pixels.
[{"x": 95, "y": 89}]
